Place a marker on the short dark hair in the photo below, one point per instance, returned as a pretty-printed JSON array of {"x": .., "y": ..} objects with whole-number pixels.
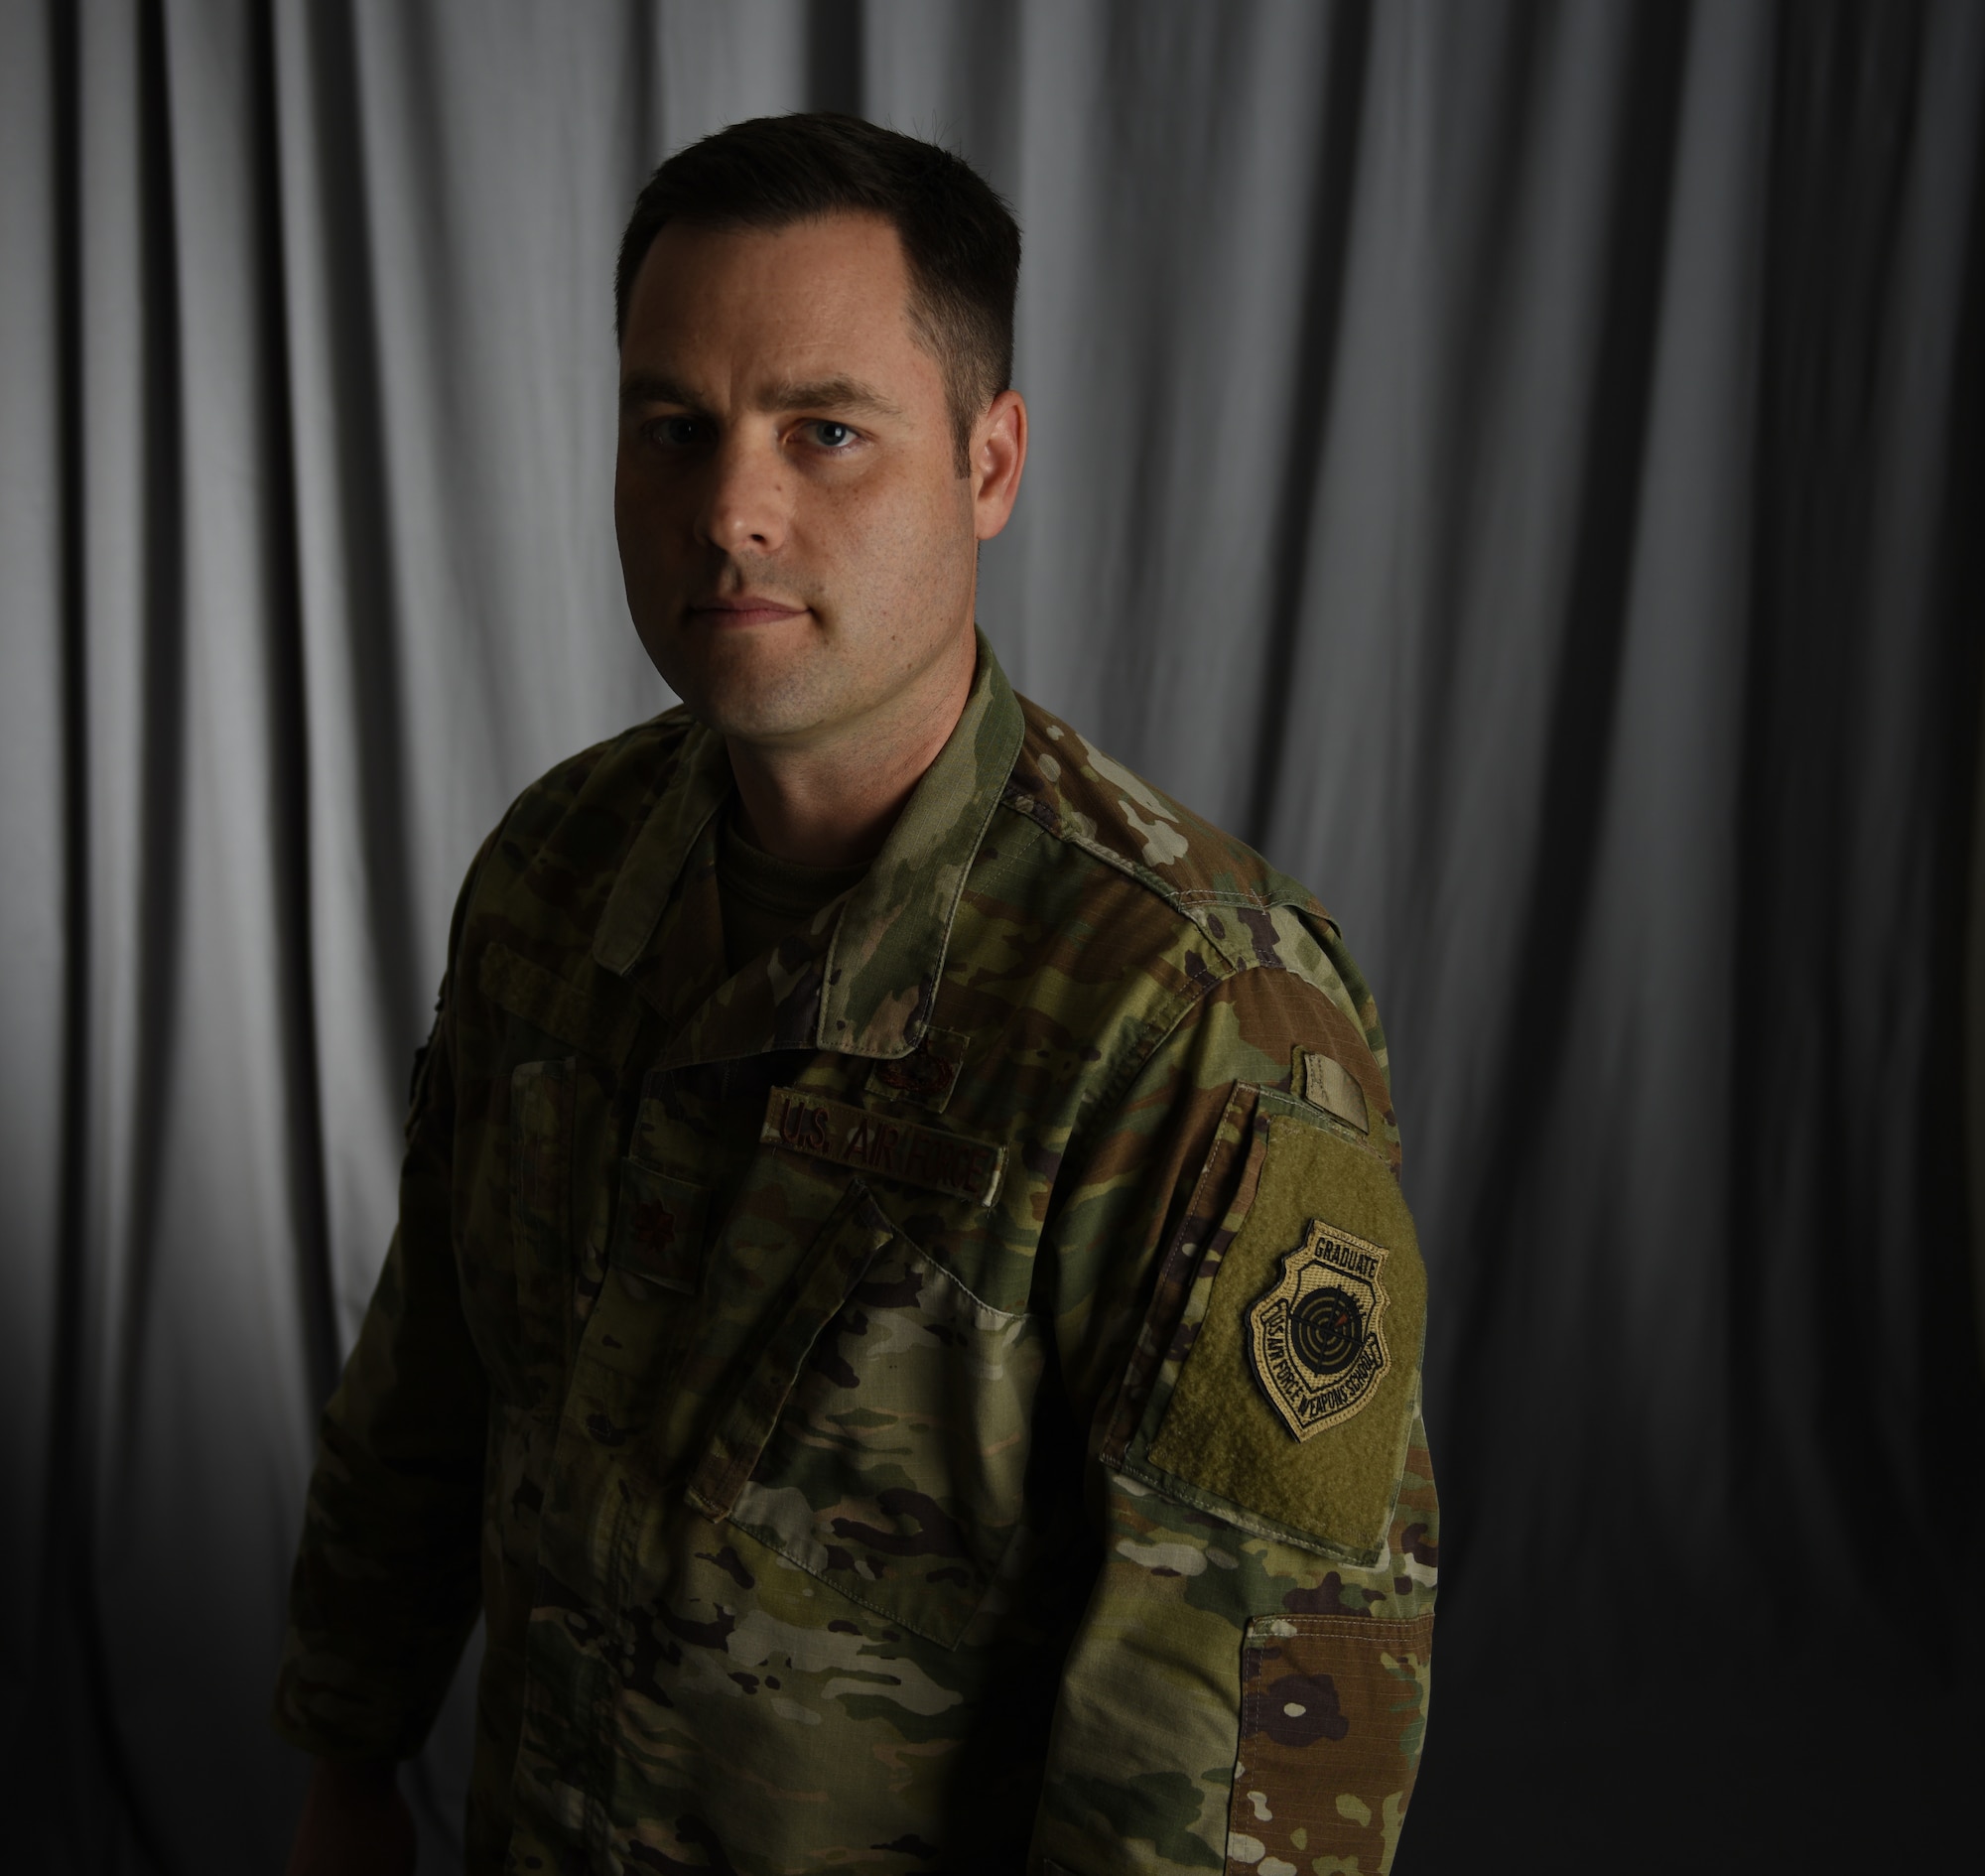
[{"x": 960, "y": 240}]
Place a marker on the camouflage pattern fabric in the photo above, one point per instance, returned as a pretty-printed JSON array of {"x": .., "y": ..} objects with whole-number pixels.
[{"x": 781, "y": 1360}]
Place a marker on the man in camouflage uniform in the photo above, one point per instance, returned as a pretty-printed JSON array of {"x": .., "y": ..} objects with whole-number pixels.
[{"x": 902, "y": 1319}]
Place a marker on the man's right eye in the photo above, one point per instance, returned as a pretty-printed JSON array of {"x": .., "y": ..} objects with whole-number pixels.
[{"x": 676, "y": 433}]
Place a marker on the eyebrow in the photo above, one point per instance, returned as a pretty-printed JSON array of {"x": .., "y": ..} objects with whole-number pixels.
[
  {"x": 649, "y": 387},
  {"x": 788, "y": 395},
  {"x": 842, "y": 393}
]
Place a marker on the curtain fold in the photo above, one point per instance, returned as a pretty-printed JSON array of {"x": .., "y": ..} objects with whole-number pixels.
[{"x": 1517, "y": 465}]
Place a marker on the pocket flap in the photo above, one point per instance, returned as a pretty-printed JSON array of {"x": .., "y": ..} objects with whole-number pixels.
[
  {"x": 815, "y": 1292},
  {"x": 897, "y": 1471},
  {"x": 600, "y": 1027}
]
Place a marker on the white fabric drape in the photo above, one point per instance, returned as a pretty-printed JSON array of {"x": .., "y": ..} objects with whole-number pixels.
[{"x": 1517, "y": 465}]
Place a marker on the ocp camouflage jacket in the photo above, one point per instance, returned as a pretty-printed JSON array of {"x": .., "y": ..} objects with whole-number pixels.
[{"x": 944, "y": 1399}]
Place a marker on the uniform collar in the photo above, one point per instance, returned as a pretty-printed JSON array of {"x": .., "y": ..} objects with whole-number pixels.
[{"x": 862, "y": 979}]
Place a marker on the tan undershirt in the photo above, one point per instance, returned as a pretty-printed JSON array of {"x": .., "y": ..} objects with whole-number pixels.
[{"x": 764, "y": 899}]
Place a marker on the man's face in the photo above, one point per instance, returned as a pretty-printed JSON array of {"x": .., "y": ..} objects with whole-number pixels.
[{"x": 798, "y": 546}]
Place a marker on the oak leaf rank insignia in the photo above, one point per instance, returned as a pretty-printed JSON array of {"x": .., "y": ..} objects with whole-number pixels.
[{"x": 1314, "y": 1336}]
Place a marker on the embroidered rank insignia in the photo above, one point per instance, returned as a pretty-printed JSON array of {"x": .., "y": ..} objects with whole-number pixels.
[
  {"x": 658, "y": 1229},
  {"x": 926, "y": 1075},
  {"x": 1314, "y": 1338}
]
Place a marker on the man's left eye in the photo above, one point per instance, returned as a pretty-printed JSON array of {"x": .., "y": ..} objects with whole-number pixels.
[{"x": 830, "y": 435}]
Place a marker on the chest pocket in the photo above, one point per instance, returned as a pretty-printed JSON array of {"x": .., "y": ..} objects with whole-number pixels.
[{"x": 882, "y": 1441}]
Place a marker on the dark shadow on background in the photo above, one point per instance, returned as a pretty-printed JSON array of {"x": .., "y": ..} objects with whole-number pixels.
[
  {"x": 836, "y": 48},
  {"x": 289, "y": 746},
  {"x": 360, "y": 451},
  {"x": 1473, "y": 1445},
  {"x": 1333, "y": 190},
  {"x": 72, "y": 1743},
  {"x": 1777, "y": 1720}
]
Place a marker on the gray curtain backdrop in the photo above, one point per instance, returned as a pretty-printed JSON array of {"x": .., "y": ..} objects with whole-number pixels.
[{"x": 1518, "y": 465}]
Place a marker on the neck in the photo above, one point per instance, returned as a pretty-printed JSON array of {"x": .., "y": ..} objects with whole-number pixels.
[{"x": 833, "y": 802}]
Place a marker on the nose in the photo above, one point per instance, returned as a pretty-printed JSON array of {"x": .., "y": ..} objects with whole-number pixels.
[{"x": 749, "y": 504}]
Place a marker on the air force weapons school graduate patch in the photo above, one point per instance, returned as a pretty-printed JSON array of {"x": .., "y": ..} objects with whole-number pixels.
[{"x": 1315, "y": 1339}]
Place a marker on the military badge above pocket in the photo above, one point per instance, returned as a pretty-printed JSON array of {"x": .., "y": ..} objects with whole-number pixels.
[{"x": 1283, "y": 1398}]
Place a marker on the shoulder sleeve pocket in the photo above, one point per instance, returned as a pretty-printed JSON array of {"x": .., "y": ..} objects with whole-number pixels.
[
  {"x": 1286, "y": 1396},
  {"x": 1333, "y": 1710}
]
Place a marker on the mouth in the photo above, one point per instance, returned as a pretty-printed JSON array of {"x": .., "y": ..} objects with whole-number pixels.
[{"x": 746, "y": 609}]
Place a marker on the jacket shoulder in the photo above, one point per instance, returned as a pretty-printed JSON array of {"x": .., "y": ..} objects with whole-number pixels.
[
  {"x": 1224, "y": 896},
  {"x": 1069, "y": 790},
  {"x": 554, "y": 856},
  {"x": 1180, "y": 901}
]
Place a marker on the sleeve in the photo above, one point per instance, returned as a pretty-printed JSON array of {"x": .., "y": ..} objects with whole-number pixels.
[
  {"x": 1240, "y": 1314},
  {"x": 387, "y": 1585}
]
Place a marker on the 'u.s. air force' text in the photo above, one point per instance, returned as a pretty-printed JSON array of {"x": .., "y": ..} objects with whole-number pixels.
[{"x": 871, "y": 1143}]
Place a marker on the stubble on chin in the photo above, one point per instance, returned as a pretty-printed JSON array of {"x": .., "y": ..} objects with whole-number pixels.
[
  {"x": 771, "y": 708},
  {"x": 760, "y": 693}
]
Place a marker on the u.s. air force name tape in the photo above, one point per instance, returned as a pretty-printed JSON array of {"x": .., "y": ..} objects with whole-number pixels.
[{"x": 804, "y": 1123}]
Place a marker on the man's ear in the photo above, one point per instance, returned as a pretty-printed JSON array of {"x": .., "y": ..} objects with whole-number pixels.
[{"x": 998, "y": 456}]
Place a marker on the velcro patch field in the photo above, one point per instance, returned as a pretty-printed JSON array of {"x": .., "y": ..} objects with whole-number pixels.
[
  {"x": 804, "y": 1123},
  {"x": 1300, "y": 1349}
]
